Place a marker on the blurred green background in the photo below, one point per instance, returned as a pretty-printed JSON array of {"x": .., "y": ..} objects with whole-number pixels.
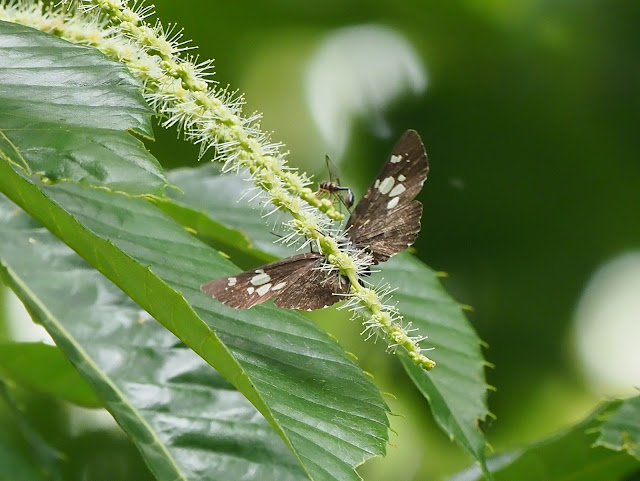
[{"x": 530, "y": 117}]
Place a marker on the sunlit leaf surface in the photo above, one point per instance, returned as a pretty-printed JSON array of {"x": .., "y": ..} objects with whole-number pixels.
[{"x": 63, "y": 112}]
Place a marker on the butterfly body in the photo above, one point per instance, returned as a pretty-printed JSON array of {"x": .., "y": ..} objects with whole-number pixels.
[
  {"x": 333, "y": 187},
  {"x": 385, "y": 221}
]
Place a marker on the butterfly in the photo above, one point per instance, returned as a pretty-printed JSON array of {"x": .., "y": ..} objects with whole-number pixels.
[
  {"x": 332, "y": 186},
  {"x": 384, "y": 222}
]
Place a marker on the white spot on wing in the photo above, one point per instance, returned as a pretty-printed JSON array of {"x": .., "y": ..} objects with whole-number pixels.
[
  {"x": 250, "y": 290},
  {"x": 397, "y": 190},
  {"x": 386, "y": 185},
  {"x": 402, "y": 178},
  {"x": 232, "y": 281},
  {"x": 260, "y": 278},
  {"x": 395, "y": 159},
  {"x": 393, "y": 202},
  {"x": 279, "y": 286},
  {"x": 262, "y": 290}
]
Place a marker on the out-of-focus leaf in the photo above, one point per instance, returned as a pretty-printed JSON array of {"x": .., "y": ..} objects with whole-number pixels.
[
  {"x": 316, "y": 398},
  {"x": 64, "y": 112},
  {"x": 187, "y": 420},
  {"x": 43, "y": 459},
  {"x": 43, "y": 368},
  {"x": 621, "y": 430},
  {"x": 14, "y": 465},
  {"x": 567, "y": 455},
  {"x": 456, "y": 388}
]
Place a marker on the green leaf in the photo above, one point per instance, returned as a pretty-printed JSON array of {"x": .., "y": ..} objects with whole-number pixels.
[
  {"x": 43, "y": 368},
  {"x": 456, "y": 388},
  {"x": 314, "y": 396},
  {"x": 44, "y": 460},
  {"x": 320, "y": 402},
  {"x": 211, "y": 204},
  {"x": 16, "y": 466},
  {"x": 64, "y": 110},
  {"x": 621, "y": 431},
  {"x": 187, "y": 420},
  {"x": 565, "y": 456}
]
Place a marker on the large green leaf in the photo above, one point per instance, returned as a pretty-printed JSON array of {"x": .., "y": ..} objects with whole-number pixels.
[
  {"x": 316, "y": 398},
  {"x": 41, "y": 367},
  {"x": 567, "y": 455},
  {"x": 299, "y": 378},
  {"x": 622, "y": 428},
  {"x": 187, "y": 419},
  {"x": 63, "y": 112},
  {"x": 456, "y": 388}
]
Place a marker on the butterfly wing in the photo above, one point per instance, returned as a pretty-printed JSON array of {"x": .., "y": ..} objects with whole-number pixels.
[
  {"x": 249, "y": 288},
  {"x": 333, "y": 170},
  {"x": 387, "y": 219},
  {"x": 313, "y": 289},
  {"x": 384, "y": 237}
]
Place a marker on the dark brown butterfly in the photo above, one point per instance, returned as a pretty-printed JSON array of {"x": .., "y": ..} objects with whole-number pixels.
[
  {"x": 385, "y": 222},
  {"x": 332, "y": 186}
]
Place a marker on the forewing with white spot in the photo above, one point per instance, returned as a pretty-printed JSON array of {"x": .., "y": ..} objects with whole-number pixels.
[
  {"x": 253, "y": 287},
  {"x": 387, "y": 219}
]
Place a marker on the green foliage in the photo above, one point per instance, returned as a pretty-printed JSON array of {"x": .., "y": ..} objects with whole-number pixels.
[
  {"x": 456, "y": 390},
  {"x": 15, "y": 462},
  {"x": 621, "y": 430},
  {"x": 42, "y": 460},
  {"x": 42, "y": 367},
  {"x": 184, "y": 416},
  {"x": 203, "y": 391},
  {"x": 292, "y": 371},
  {"x": 63, "y": 112},
  {"x": 569, "y": 454}
]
